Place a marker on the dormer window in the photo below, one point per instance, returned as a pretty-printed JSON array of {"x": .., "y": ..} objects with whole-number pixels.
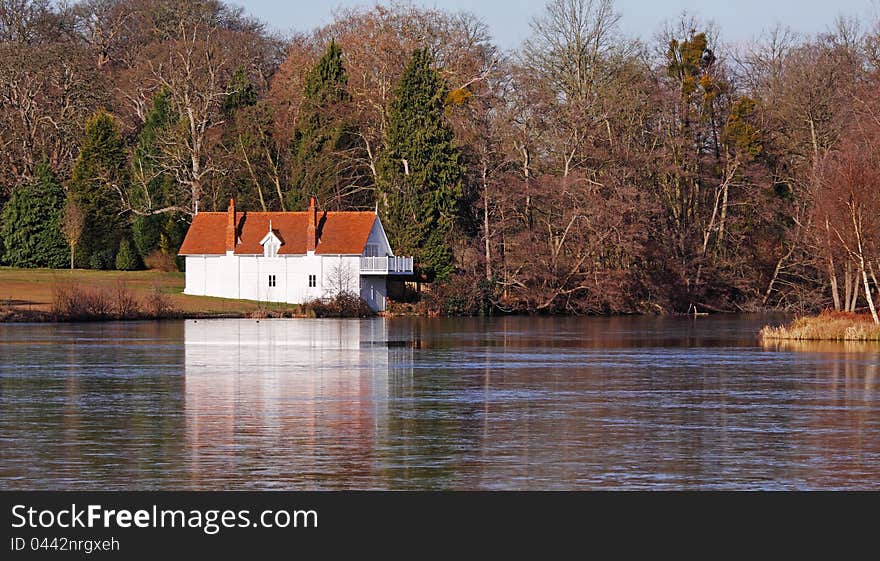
[{"x": 271, "y": 243}]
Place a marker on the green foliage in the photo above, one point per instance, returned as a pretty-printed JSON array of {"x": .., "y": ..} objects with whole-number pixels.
[
  {"x": 98, "y": 172},
  {"x": 102, "y": 259},
  {"x": 30, "y": 225},
  {"x": 146, "y": 231},
  {"x": 256, "y": 159},
  {"x": 172, "y": 236},
  {"x": 739, "y": 133},
  {"x": 323, "y": 134},
  {"x": 239, "y": 93},
  {"x": 688, "y": 63},
  {"x": 126, "y": 258},
  {"x": 150, "y": 187},
  {"x": 420, "y": 170},
  {"x": 159, "y": 232},
  {"x": 684, "y": 60}
]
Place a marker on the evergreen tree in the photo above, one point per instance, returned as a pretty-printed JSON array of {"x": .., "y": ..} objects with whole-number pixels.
[
  {"x": 150, "y": 187},
  {"x": 30, "y": 226},
  {"x": 420, "y": 170},
  {"x": 323, "y": 136},
  {"x": 239, "y": 93},
  {"x": 99, "y": 172},
  {"x": 126, "y": 258},
  {"x": 246, "y": 143}
]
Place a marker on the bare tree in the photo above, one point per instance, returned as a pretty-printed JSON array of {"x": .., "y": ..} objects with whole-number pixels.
[
  {"x": 341, "y": 281},
  {"x": 847, "y": 206}
]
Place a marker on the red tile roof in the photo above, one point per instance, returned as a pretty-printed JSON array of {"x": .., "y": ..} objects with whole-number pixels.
[{"x": 344, "y": 233}]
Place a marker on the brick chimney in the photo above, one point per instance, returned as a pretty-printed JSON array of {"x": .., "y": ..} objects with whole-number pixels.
[
  {"x": 230, "y": 226},
  {"x": 312, "y": 230}
]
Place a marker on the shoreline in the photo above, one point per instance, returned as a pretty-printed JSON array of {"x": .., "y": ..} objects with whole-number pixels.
[
  {"x": 81, "y": 295},
  {"x": 828, "y": 326},
  {"x": 277, "y": 311}
]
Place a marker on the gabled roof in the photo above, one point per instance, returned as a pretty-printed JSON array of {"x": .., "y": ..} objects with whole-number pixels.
[
  {"x": 272, "y": 234},
  {"x": 339, "y": 233}
]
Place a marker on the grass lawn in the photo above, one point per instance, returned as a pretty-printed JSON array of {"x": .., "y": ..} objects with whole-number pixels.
[{"x": 33, "y": 289}]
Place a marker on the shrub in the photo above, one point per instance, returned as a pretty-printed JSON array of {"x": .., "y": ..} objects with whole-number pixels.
[
  {"x": 158, "y": 260},
  {"x": 80, "y": 304},
  {"x": 103, "y": 259},
  {"x": 126, "y": 258},
  {"x": 345, "y": 304},
  {"x": 75, "y": 303},
  {"x": 157, "y": 303},
  {"x": 125, "y": 304},
  {"x": 462, "y": 295}
]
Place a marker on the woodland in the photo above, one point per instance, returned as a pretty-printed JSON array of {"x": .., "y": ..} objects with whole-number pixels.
[{"x": 584, "y": 172}]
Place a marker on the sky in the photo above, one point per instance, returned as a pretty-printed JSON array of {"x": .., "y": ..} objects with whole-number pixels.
[{"x": 509, "y": 20}]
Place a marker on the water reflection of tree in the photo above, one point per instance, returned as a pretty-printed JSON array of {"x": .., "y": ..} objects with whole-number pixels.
[{"x": 842, "y": 424}]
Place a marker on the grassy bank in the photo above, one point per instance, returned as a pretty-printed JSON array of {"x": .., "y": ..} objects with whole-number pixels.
[
  {"x": 827, "y": 326},
  {"x": 79, "y": 295}
]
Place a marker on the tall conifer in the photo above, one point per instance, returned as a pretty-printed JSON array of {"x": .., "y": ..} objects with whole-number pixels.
[
  {"x": 99, "y": 172},
  {"x": 420, "y": 170},
  {"x": 151, "y": 188},
  {"x": 323, "y": 136},
  {"x": 30, "y": 226}
]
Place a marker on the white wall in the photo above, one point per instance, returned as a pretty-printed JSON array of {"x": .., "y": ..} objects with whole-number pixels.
[
  {"x": 212, "y": 275},
  {"x": 339, "y": 273},
  {"x": 246, "y": 277},
  {"x": 239, "y": 374},
  {"x": 378, "y": 237},
  {"x": 374, "y": 289}
]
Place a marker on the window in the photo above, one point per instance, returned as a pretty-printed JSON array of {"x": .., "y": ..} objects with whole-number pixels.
[
  {"x": 313, "y": 281},
  {"x": 271, "y": 280},
  {"x": 270, "y": 249},
  {"x": 372, "y": 250}
]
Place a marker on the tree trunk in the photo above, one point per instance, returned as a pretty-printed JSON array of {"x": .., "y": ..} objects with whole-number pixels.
[
  {"x": 869, "y": 298},
  {"x": 847, "y": 287},
  {"x": 855, "y": 292},
  {"x": 488, "y": 247},
  {"x": 832, "y": 271},
  {"x": 723, "y": 220},
  {"x": 527, "y": 162},
  {"x": 873, "y": 276},
  {"x": 253, "y": 175},
  {"x": 835, "y": 291},
  {"x": 776, "y": 272}
]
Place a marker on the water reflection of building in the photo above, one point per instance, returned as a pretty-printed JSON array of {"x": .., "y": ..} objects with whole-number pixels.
[{"x": 294, "y": 402}]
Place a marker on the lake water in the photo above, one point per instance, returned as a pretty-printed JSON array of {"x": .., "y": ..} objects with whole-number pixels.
[{"x": 506, "y": 403}]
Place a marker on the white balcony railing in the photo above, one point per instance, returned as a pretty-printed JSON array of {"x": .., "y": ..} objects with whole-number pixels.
[{"x": 386, "y": 265}]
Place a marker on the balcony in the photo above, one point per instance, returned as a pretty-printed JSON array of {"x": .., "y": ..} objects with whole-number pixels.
[{"x": 386, "y": 265}]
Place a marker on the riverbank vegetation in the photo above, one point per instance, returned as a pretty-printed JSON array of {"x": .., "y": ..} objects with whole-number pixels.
[
  {"x": 583, "y": 172},
  {"x": 86, "y": 295},
  {"x": 827, "y": 326}
]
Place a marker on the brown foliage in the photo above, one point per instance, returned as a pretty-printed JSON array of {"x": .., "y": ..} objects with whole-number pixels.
[
  {"x": 77, "y": 303},
  {"x": 158, "y": 260},
  {"x": 344, "y": 304}
]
